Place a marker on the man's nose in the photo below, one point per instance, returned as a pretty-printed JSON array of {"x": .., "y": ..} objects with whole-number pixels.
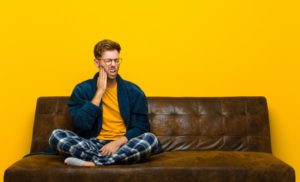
[{"x": 113, "y": 62}]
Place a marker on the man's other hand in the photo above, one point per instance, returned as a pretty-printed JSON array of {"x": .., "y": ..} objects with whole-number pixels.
[{"x": 112, "y": 147}]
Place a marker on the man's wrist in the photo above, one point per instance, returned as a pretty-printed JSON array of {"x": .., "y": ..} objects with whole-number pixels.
[
  {"x": 99, "y": 92},
  {"x": 97, "y": 97},
  {"x": 121, "y": 141}
]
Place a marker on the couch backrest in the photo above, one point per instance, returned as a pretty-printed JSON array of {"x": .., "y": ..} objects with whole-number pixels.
[{"x": 181, "y": 123}]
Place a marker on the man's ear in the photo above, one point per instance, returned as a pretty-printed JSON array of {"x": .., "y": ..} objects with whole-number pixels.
[{"x": 97, "y": 62}]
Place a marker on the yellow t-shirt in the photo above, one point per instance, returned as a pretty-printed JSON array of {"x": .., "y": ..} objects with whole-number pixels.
[{"x": 113, "y": 126}]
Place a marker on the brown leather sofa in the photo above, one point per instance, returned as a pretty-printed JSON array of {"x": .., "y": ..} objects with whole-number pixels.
[{"x": 204, "y": 139}]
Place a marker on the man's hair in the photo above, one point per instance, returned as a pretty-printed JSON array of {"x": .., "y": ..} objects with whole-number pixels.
[{"x": 105, "y": 45}]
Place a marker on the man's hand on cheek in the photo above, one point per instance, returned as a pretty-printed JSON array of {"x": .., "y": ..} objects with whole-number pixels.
[{"x": 104, "y": 66}]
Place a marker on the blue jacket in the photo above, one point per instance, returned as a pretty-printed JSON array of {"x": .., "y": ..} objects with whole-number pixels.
[{"x": 87, "y": 117}]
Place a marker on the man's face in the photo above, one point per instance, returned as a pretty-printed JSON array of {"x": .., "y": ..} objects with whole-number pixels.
[{"x": 110, "y": 61}]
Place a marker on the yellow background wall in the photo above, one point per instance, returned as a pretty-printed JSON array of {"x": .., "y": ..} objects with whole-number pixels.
[{"x": 170, "y": 48}]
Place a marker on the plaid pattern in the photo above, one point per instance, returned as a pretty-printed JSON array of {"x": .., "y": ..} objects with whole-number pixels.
[{"x": 137, "y": 149}]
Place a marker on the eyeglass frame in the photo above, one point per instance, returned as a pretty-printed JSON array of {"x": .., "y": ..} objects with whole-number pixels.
[{"x": 109, "y": 61}]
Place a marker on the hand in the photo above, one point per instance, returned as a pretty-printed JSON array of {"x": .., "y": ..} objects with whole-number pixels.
[
  {"x": 101, "y": 86},
  {"x": 102, "y": 80},
  {"x": 110, "y": 148},
  {"x": 113, "y": 147}
]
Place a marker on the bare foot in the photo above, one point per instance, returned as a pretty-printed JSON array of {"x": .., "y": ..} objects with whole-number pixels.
[{"x": 88, "y": 163}]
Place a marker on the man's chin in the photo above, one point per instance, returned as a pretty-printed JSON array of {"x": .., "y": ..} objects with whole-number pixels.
[{"x": 112, "y": 77}]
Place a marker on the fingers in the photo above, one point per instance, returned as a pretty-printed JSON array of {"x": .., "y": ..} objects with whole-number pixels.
[
  {"x": 108, "y": 149},
  {"x": 105, "y": 152},
  {"x": 101, "y": 64},
  {"x": 104, "y": 66},
  {"x": 102, "y": 73},
  {"x": 102, "y": 78}
]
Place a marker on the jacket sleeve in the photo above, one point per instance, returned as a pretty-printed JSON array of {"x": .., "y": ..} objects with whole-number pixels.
[
  {"x": 83, "y": 112},
  {"x": 139, "y": 122}
]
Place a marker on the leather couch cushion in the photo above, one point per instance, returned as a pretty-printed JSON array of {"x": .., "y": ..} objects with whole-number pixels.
[{"x": 168, "y": 166}]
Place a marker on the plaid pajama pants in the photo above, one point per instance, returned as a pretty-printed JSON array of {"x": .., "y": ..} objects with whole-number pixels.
[{"x": 137, "y": 149}]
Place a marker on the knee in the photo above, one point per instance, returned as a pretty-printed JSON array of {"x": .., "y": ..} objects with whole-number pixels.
[
  {"x": 150, "y": 137},
  {"x": 154, "y": 143},
  {"x": 57, "y": 133}
]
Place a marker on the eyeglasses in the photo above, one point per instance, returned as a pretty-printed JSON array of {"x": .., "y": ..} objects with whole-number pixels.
[{"x": 109, "y": 61}]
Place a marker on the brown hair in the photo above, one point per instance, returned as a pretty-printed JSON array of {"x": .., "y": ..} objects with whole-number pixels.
[{"x": 105, "y": 45}]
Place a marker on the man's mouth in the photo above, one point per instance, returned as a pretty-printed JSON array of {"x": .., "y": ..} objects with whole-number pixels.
[{"x": 112, "y": 71}]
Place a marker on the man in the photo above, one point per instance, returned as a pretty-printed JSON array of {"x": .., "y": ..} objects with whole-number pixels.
[{"x": 111, "y": 115}]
